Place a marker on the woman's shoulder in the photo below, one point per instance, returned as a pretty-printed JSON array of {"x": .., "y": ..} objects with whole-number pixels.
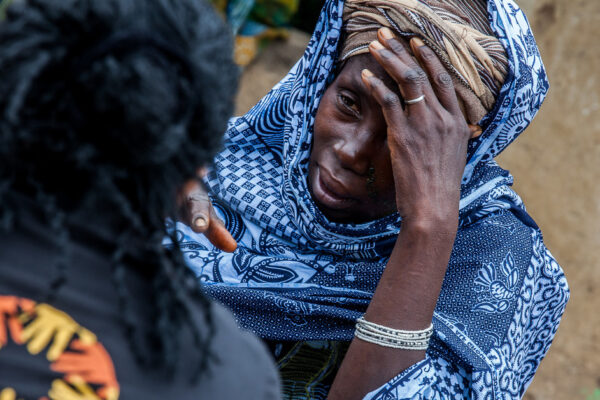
[
  {"x": 495, "y": 235},
  {"x": 494, "y": 259},
  {"x": 499, "y": 272}
]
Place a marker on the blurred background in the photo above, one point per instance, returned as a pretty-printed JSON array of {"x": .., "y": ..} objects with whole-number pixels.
[{"x": 556, "y": 162}]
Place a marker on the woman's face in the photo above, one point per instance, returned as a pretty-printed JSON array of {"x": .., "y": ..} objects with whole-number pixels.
[{"x": 350, "y": 172}]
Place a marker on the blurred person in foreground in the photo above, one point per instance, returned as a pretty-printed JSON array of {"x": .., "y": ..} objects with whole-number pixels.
[
  {"x": 381, "y": 250},
  {"x": 106, "y": 108}
]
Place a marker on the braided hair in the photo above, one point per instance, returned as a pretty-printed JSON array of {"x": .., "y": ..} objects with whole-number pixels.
[{"x": 113, "y": 104}]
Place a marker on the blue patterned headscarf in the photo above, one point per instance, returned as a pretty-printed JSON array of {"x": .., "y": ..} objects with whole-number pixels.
[
  {"x": 261, "y": 174},
  {"x": 298, "y": 276}
]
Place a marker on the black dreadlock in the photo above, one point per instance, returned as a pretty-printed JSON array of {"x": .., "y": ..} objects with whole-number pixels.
[{"x": 116, "y": 103}]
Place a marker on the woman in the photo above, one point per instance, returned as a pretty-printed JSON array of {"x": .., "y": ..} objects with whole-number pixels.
[
  {"x": 317, "y": 179},
  {"x": 100, "y": 122}
]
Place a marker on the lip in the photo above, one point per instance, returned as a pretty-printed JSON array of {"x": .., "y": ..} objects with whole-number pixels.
[{"x": 329, "y": 192}]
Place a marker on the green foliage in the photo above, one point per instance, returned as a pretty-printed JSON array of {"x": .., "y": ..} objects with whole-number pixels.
[
  {"x": 3, "y": 5},
  {"x": 595, "y": 395}
]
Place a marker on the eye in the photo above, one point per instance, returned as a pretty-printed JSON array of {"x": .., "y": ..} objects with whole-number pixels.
[{"x": 348, "y": 103}]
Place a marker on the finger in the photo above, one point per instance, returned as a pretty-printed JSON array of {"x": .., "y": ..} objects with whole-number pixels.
[
  {"x": 202, "y": 172},
  {"x": 40, "y": 340},
  {"x": 394, "y": 57},
  {"x": 218, "y": 234},
  {"x": 196, "y": 204},
  {"x": 16, "y": 330},
  {"x": 388, "y": 100},
  {"x": 67, "y": 363},
  {"x": 86, "y": 337},
  {"x": 8, "y": 305},
  {"x": 61, "y": 390},
  {"x": 84, "y": 389},
  {"x": 79, "y": 345},
  {"x": 27, "y": 305},
  {"x": 387, "y": 38},
  {"x": 32, "y": 329},
  {"x": 199, "y": 214},
  {"x": 411, "y": 80},
  {"x": 439, "y": 78},
  {"x": 59, "y": 344}
]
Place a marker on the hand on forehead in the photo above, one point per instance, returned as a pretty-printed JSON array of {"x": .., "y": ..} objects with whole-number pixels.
[{"x": 355, "y": 64}]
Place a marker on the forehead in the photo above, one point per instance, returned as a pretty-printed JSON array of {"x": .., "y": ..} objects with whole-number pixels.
[{"x": 350, "y": 72}]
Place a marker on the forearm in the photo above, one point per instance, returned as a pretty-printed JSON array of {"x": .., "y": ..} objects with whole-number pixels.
[{"x": 405, "y": 299}]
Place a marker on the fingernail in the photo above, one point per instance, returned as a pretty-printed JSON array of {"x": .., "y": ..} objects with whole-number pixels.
[
  {"x": 376, "y": 45},
  {"x": 475, "y": 130},
  {"x": 200, "y": 222},
  {"x": 367, "y": 73},
  {"x": 201, "y": 172},
  {"x": 418, "y": 42},
  {"x": 386, "y": 33}
]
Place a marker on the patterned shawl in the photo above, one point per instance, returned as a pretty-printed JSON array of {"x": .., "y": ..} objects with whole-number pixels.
[{"x": 298, "y": 276}]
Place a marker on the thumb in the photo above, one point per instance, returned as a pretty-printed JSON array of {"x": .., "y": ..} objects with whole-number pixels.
[{"x": 218, "y": 234}]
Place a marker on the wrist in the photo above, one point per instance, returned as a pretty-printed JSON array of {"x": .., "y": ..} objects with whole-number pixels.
[
  {"x": 434, "y": 222},
  {"x": 427, "y": 245}
]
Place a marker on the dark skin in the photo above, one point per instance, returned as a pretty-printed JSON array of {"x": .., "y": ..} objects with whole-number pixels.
[
  {"x": 373, "y": 155},
  {"x": 350, "y": 172},
  {"x": 197, "y": 211}
]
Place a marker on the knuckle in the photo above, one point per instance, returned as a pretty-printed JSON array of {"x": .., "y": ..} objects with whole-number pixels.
[
  {"x": 444, "y": 80},
  {"x": 376, "y": 86},
  {"x": 427, "y": 54},
  {"x": 396, "y": 46},
  {"x": 414, "y": 76},
  {"x": 390, "y": 100},
  {"x": 386, "y": 55},
  {"x": 198, "y": 202},
  {"x": 446, "y": 120}
]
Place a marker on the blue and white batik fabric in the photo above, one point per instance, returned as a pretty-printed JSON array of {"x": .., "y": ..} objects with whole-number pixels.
[{"x": 298, "y": 277}]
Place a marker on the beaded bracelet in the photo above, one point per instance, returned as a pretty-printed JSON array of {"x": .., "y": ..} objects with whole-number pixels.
[{"x": 394, "y": 338}]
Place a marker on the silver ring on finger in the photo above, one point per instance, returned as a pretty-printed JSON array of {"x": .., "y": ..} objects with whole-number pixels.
[{"x": 414, "y": 101}]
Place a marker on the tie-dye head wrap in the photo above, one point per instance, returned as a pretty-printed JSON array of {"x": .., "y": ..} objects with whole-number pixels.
[{"x": 458, "y": 31}]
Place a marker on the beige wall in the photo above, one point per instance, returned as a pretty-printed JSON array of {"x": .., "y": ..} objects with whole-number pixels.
[{"x": 556, "y": 164}]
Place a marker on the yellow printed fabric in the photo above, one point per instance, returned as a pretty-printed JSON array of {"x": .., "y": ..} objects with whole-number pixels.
[{"x": 84, "y": 366}]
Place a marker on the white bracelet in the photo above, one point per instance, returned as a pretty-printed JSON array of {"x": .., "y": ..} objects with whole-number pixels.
[
  {"x": 401, "y": 334},
  {"x": 394, "y": 338}
]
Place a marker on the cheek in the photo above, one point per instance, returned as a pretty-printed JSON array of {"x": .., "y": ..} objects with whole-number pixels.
[
  {"x": 324, "y": 127},
  {"x": 381, "y": 177},
  {"x": 319, "y": 128},
  {"x": 381, "y": 192}
]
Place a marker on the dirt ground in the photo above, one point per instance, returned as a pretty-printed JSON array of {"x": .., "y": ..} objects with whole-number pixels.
[{"x": 556, "y": 165}]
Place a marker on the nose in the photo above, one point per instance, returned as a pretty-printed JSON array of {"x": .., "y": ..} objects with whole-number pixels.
[{"x": 356, "y": 152}]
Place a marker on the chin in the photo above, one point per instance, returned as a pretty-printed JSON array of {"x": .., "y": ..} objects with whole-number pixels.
[{"x": 336, "y": 216}]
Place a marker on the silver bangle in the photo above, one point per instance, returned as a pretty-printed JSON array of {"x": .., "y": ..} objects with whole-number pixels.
[{"x": 394, "y": 338}]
